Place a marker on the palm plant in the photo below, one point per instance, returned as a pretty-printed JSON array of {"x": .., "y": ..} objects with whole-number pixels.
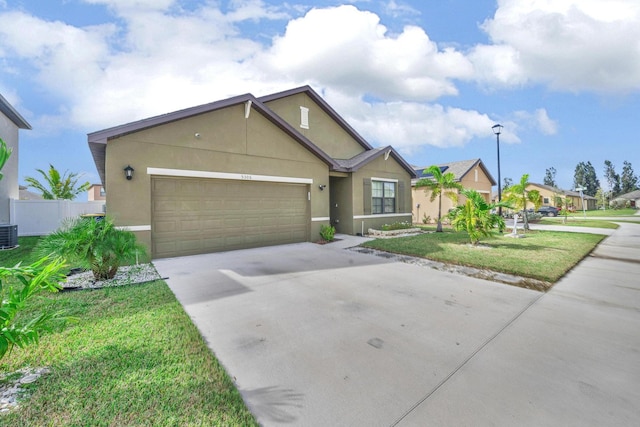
[
  {"x": 5, "y": 152},
  {"x": 440, "y": 184},
  {"x": 19, "y": 330},
  {"x": 57, "y": 186},
  {"x": 96, "y": 245},
  {"x": 475, "y": 216},
  {"x": 518, "y": 196}
]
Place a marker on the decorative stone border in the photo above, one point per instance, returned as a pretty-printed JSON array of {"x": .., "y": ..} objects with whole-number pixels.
[{"x": 393, "y": 233}]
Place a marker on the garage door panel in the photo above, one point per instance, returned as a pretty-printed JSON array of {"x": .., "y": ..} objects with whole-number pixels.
[{"x": 191, "y": 216}]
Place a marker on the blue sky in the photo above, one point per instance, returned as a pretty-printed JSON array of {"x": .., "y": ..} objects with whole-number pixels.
[{"x": 429, "y": 77}]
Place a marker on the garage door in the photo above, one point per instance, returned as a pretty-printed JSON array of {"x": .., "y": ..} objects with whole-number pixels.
[{"x": 194, "y": 215}]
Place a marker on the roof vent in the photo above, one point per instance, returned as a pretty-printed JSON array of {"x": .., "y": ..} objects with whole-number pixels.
[
  {"x": 304, "y": 117},
  {"x": 8, "y": 236}
]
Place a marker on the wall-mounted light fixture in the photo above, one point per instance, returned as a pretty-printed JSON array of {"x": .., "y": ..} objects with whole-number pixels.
[
  {"x": 322, "y": 187},
  {"x": 128, "y": 172}
]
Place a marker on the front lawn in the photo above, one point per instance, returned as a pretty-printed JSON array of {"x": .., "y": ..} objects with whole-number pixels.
[
  {"x": 134, "y": 358},
  {"x": 578, "y": 222},
  {"x": 541, "y": 255}
]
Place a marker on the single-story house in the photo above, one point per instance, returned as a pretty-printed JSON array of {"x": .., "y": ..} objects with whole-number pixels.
[
  {"x": 246, "y": 172},
  {"x": 552, "y": 196},
  {"x": 471, "y": 174},
  {"x": 10, "y": 123},
  {"x": 633, "y": 199}
]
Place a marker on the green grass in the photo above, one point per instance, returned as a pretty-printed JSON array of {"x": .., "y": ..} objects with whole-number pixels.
[
  {"x": 578, "y": 222},
  {"x": 134, "y": 358},
  {"x": 541, "y": 255},
  {"x": 607, "y": 212},
  {"x": 23, "y": 253}
]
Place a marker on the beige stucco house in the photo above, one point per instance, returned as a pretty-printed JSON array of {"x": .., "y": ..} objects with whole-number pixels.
[
  {"x": 470, "y": 174},
  {"x": 552, "y": 196},
  {"x": 10, "y": 123},
  {"x": 247, "y": 172}
]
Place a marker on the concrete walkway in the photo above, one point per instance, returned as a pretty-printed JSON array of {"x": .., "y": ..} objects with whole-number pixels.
[{"x": 315, "y": 335}]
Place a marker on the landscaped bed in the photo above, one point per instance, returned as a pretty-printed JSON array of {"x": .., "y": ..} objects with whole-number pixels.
[
  {"x": 133, "y": 358},
  {"x": 541, "y": 255}
]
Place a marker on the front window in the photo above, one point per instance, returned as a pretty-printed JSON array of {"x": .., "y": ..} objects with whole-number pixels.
[{"x": 383, "y": 196}]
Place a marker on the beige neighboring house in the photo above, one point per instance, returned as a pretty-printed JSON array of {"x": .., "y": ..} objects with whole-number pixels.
[
  {"x": 471, "y": 174},
  {"x": 25, "y": 194},
  {"x": 96, "y": 192},
  {"x": 246, "y": 172},
  {"x": 10, "y": 123},
  {"x": 550, "y": 195}
]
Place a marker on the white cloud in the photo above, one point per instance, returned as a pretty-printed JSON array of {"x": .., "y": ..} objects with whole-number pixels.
[
  {"x": 156, "y": 58},
  {"x": 570, "y": 45},
  {"x": 347, "y": 48}
]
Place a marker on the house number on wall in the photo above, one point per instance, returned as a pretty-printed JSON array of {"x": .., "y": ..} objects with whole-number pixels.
[{"x": 247, "y": 177}]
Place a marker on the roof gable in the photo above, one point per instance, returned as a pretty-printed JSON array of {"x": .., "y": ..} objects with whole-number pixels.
[
  {"x": 458, "y": 169},
  {"x": 366, "y": 157},
  {"x": 313, "y": 95},
  {"x": 98, "y": 140}
]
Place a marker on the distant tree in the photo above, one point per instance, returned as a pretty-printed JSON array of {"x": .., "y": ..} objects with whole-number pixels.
[
  {"x": 506, "y": 183},
  {"x": 518, "y": 196},
  {"x": 601, "y": 197},
  {"x": 585, "y": 177},
  {"x": 628, "y": 180},
  {"x": 57, "y": 186},
  {"x": 613, "y": 179},
  {"x": 550, "y": 177},
  {"x": 440, "y": 184}
]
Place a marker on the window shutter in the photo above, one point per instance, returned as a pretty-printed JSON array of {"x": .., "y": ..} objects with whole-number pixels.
[
  {"x": 366, "y": 196},
  {"x": 400, "y": 208}
]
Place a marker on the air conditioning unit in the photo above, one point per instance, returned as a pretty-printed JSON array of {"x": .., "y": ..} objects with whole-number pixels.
[{"x": 8, "y": 236}]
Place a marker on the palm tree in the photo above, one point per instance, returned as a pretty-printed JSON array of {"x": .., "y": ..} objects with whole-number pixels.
[
  {"x": 440, "y": 184},
  {"x": 57, "y": 186},
  {"x": 475, "y": 216},
  {"x": 519, "y": 196}
]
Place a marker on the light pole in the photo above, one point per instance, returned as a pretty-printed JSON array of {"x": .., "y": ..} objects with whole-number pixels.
[{"x": 497, "y": 129}]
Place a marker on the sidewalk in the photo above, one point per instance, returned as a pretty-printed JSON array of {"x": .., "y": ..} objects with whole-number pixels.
[{"x": 571, "y": 358}]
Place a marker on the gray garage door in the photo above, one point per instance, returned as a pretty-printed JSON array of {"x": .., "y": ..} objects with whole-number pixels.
[{"x": 192, "y": 215}]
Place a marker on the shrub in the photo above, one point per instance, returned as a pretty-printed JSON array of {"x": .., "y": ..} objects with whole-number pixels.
[
  {"x": 426, "y": 219},
  {"x": 327, "y": 232},
  {"x": 94, "y": 245}
]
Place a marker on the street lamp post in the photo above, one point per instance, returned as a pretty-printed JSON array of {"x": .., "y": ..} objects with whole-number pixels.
[{"x": 497, "y": 129}]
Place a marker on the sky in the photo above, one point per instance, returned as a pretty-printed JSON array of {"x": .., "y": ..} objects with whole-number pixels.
[{"x": 429, "y": 77}]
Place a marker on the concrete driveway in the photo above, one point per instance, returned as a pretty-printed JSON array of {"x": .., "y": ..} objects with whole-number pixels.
[{"x": 317, "y": 335}]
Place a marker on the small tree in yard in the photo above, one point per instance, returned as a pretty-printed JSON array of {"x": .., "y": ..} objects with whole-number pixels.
[
  {"x": 519, "y": 196},
  {"x": 5, "y": 152},
  {"x": 95, "y": 245},
  {"x": 440, "y": 184},
  {"x": 475, "y": 216}
]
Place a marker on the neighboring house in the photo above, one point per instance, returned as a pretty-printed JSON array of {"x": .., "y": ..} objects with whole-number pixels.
[
  {"x": 470, "y": 174},
  {"x": 96, "y": 192},
  {"x": 633, "y": 198},
  {"x": 552, "y": 196},
  {"x": 247, "y": 172},
  {"x": 25, "y": 194},
  {"x": 10, "y": 123}
]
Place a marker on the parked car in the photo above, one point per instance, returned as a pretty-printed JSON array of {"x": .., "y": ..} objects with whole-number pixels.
[{"x": 548, "y": 210}]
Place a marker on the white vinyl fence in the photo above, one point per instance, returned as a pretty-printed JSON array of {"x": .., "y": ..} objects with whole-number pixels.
[{"x": 41, "y": 217}]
